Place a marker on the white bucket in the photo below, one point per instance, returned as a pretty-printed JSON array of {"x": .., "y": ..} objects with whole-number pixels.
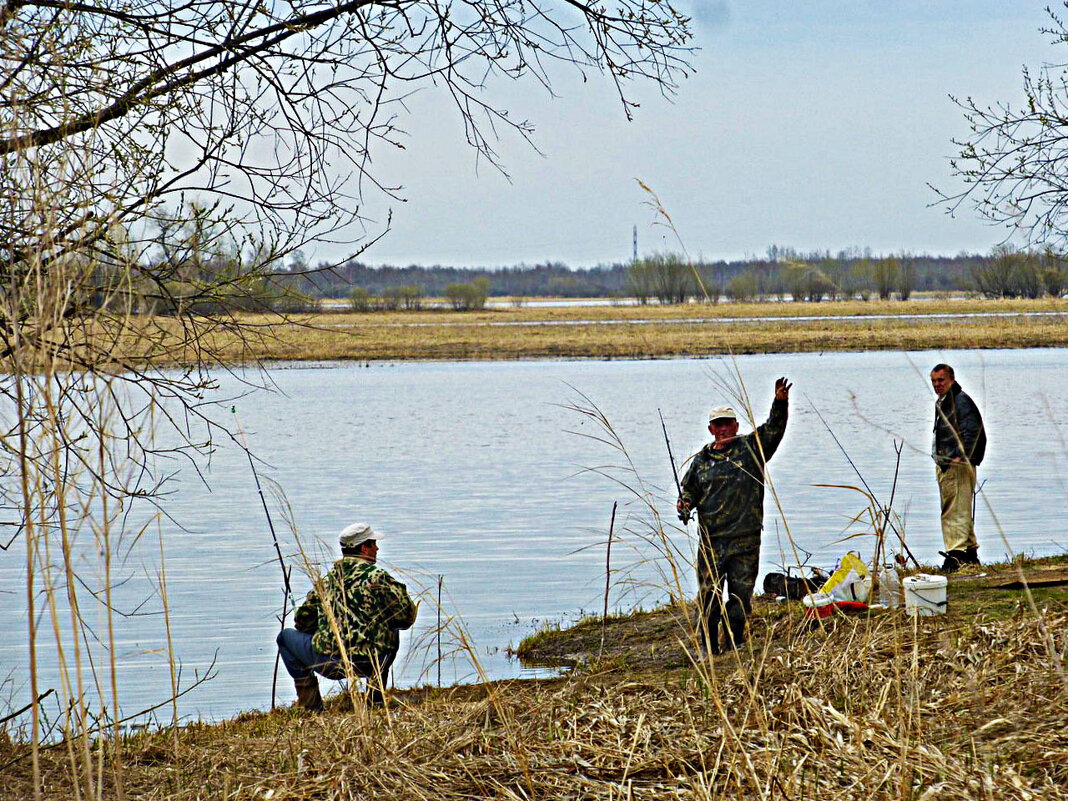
[{"x": 925, "y": 594}]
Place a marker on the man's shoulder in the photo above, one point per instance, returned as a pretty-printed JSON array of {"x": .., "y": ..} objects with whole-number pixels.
[
  {"x": 355, "y": 568},
  {"x": 375, "y": 574},
  {"x": 967, "y": 399},
  {"x": 750, "y": 441}
]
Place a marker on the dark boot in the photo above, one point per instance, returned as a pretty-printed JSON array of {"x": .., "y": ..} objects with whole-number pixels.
[
  {"x": 710, "y": 635},
  {"x": 708, "y": 625},
  {"x": 308, "y": 693},
  {"x": 954, "y": 559},
  {"x": 374, "y": 697},
  {"x": 710, "y": 639},
  {"x": 971, "y": 556},
  {"x": 735, "y": 624}
]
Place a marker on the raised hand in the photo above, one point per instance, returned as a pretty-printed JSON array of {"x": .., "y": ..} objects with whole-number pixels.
[{"x": 782, "y": 389}]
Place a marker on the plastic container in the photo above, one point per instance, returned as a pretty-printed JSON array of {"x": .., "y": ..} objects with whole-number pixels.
[
  {"x": 925, "y": 594},
  {"x": 889, "y": 587},
  {"x": 861, "y": 590},
  {"x": 815, "y": 600}
]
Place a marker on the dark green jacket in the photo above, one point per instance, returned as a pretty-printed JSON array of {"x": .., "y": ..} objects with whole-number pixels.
[
  {"x": 368, "y": 604},
  {"x": 727, "y": 487}
]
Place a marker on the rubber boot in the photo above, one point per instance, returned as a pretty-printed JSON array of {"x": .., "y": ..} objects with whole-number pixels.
[
  {"x": 710, "y": 635},
  {"x": 971, "y": 556},
  {"x": 308, "y": 693},
  {"x": 954, "y": 559},
  {"x": 735, "y": 624},
  {"x": 374, "y": 697},
  {"x": 708, "y": 624}
]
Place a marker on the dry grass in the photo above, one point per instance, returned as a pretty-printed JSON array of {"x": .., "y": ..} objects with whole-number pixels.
[
  {"x": 954, "y": 707},
  {"x": 604, "y": 332},
  {"x": 724, "y": 309},
  {"x": 970, "y": 705}
]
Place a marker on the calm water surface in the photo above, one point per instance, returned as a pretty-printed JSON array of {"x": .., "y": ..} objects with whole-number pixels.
[{"x": 479, "y": 473}]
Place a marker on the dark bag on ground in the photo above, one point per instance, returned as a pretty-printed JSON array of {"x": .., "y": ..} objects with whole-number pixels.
[{"x": 793, "y": 588}]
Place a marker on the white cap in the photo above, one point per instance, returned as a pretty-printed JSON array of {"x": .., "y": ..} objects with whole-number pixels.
[
  {"x": 722, "y": 413},
  {"x": 357, "y": 534}
]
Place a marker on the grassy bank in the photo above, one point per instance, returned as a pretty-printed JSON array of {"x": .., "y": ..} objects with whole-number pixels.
[
  {"x": 970, "y": 705},
  {"x": 640, "y": 331}
]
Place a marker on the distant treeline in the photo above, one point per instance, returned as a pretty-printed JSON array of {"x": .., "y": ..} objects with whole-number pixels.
[
  {"x": 783, "y": 274},
  {"x": 553, "y": 279},
  {"x": 199, "y": 270},
  {"x": 191, "y": 262}
]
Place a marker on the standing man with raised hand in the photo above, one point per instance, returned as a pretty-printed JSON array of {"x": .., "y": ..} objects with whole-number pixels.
[
  {"x": 959, "y": 447},
  {"x": 725, "y": 484}
]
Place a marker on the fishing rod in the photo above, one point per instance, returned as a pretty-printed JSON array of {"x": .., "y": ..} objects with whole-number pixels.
[
  {"x": 871, "y": 493},
  {"x": 274, "y": 537},
  {"x": 684, "y": 515}
]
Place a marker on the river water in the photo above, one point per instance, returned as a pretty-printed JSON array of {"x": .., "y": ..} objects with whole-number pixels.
[{"x": 488, "y": 476}]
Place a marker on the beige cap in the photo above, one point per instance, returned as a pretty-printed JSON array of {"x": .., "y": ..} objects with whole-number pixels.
[
  {"x": 357, "y": 534},
  {"x": 722, "y": 413}
]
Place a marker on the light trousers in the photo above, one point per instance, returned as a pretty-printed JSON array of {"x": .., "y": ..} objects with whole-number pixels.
[{"x": 956, "y": 486}]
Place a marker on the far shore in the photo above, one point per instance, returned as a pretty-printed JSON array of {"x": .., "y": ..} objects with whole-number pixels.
[{"x": 651, "y": 331}]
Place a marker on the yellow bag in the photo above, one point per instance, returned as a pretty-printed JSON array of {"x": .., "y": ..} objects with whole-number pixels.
[{"x": 851, "y": 581}]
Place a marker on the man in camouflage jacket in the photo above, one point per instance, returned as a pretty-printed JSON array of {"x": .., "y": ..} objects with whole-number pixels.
[
  {"x": 725, "y": 484},
  {"x": 349, "y": 624}
]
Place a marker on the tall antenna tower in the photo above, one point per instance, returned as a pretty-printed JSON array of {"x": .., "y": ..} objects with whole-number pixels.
[{"x": 635, "y": 258}]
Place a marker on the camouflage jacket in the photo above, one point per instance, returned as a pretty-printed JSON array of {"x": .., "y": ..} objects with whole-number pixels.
[
  {"x": 726, "y": 487},
  {"x": 369, "y": 605}
]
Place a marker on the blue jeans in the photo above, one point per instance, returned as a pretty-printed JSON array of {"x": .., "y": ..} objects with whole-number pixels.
[{"x": 301, "y": 659}]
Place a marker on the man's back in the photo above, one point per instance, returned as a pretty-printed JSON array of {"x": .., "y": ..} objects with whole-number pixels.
[{"x": 368, "y": 606}]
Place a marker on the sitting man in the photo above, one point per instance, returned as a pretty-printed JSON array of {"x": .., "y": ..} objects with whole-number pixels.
[{"x": 349, "y": 623}]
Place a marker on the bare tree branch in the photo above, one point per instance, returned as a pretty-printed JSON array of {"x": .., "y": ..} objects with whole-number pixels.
[{"x": 1014, "y": 165}]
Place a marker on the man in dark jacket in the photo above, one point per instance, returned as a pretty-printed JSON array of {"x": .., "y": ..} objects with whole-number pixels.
[
  {"x": 725, "y": 484},
  {"x": 348, "y": 626},
  {"x": 959, "y": 446}
]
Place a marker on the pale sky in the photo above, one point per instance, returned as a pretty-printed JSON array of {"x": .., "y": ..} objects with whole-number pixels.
[{"x": 815, "y": 124}]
